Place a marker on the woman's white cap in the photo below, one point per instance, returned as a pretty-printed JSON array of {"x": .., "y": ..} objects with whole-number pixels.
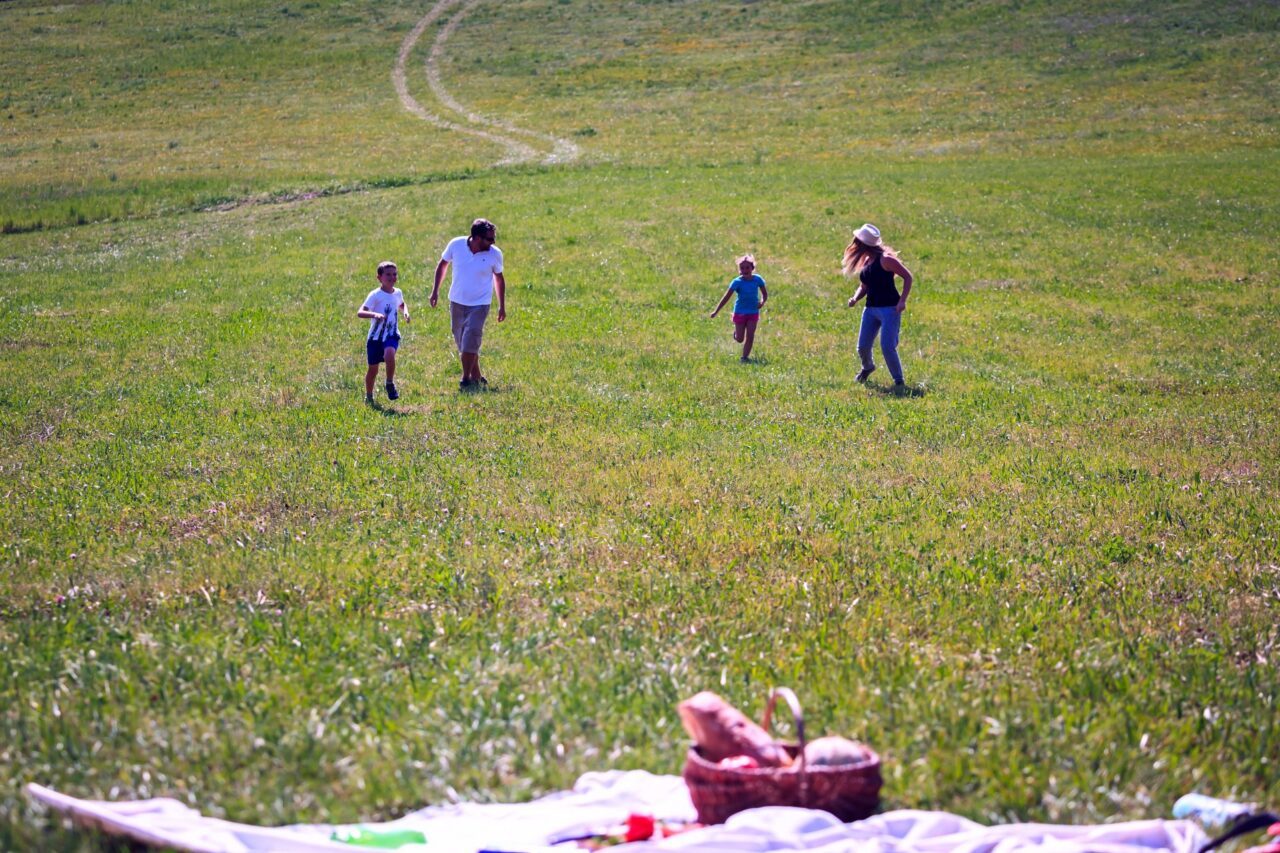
[{"x": 868, "y": 234}]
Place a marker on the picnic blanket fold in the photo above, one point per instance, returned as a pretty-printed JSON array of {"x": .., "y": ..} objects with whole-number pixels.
[{"x": 603, "y": 799}]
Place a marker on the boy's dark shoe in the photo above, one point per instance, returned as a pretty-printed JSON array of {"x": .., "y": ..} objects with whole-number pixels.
[
  {"x": 392, "y": 393},
  {"x": 484, "y": 383},
  {"x": 864, "y": 373},
  {"x": 467, "y": 385},
  {"x": 368, "y": 398}
]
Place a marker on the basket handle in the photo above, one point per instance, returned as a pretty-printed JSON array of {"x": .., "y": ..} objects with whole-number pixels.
[{"x": 796, "y": 715}]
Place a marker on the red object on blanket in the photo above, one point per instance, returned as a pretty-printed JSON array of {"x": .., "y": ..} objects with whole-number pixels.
[{"x": 639, "y": 827}]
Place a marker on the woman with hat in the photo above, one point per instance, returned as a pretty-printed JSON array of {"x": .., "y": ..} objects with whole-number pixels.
[{"x": 876, "y": 265}]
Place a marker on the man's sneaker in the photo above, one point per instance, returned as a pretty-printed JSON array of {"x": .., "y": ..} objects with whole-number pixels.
[
  {"x": 864, "y": 373},
  {"x": 392, "y": 393}
]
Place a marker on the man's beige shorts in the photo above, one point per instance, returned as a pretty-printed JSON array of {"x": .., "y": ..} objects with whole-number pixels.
[{"x": 467, "y": 322}]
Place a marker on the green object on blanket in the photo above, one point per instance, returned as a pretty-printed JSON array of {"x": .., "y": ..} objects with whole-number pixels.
[{"x": 389, "y": 839}]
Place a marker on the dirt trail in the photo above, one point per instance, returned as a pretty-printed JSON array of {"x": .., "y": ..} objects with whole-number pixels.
[{"x": 503, "y": 133}]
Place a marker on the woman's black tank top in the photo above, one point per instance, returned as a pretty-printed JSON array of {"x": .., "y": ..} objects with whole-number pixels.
[{"x": 881, "y": 292}]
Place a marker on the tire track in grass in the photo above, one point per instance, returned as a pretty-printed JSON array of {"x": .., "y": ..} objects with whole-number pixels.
[
  {"x": 503, "y": 133},
  {"x": 518, "y": 152}
]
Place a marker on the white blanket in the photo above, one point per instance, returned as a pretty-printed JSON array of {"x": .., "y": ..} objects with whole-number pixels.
[{"x": 605, "y": 799}]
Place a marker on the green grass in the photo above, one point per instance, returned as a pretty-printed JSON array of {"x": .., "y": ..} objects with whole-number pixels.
[{"x": 1043, "y": 583}]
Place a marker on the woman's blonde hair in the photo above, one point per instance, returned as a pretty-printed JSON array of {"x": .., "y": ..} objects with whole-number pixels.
[{"x": 858, "y": 254}]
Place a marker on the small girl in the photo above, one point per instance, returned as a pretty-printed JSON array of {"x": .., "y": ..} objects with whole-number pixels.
[{"x": 752, "y": 296}]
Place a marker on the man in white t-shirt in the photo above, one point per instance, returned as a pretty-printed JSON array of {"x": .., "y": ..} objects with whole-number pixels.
[{"x": 477, "y": 269}]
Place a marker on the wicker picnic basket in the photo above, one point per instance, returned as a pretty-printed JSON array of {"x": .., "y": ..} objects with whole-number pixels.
[{"x": 849, "y": 791}]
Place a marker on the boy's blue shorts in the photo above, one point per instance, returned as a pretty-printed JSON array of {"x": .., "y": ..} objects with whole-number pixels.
[{"x": 376, "y": 349}]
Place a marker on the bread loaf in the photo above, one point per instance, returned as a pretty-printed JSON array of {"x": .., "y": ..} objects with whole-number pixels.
[
  {"x": 721, "y": 731},
  {"x": 834, "y": 751}
]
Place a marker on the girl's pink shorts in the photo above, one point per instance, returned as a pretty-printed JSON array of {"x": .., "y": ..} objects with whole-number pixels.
[{"x": 748, "y": 320}]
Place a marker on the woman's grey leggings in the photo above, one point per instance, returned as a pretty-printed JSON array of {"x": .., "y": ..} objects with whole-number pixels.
[{"x": 886, "y": 321}]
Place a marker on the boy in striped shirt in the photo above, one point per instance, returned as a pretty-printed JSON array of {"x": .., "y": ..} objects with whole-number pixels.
[{"x": 382, "y": 308}]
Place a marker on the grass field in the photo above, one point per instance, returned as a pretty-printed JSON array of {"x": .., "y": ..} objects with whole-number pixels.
[{"x": 1044, "y": 582}]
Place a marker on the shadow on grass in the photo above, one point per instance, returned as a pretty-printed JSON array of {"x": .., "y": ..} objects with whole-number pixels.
[
  {"x": 481, "y": 391},
  {"x": 390, "y": 411},
  {"x": 899, "y": 390}
]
